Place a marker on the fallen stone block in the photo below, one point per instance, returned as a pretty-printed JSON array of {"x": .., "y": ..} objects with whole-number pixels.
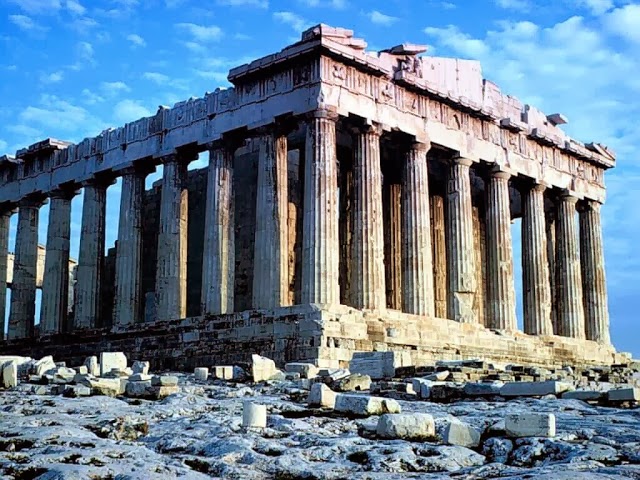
[
  {"x": 354, "y": 382},
  {"x": 228, "y": 372},
  {"x": 140, "y": 377},
  {"x": 584, "y": 395},
  {"x": 534, "y": 389},
  {"x": 100, "y": 386},
  {"x": 39, "y": 390},
  {"x": 530, "y": 425},
  {"x": 61, "y": 375},
  {"x": 74, "y": 391},
  {"x": 10, "y": 374},
  {"x": 138, "y": 389},
  {"x": 331, "y": 375},
  {"x": 82, "y": 369},
  {"x": 487, "y": 389},
  {"x": 34, "y": 379},
  {"x": 201, "y": 374},
  {"x": 377, "y": 365},
  {"x": 321, "y": 396},
  {"x": 140, "y": 367},
  {"x": 306, "y": 370},
  {"x": 445, "y": 392},
  {"x": 93, "y": 367},
  {"x": 364, "y": 405},
  {"x": 254, "y": 415},
  {"x": 43, "y": 365},
  {"x": 406, "y": 426},
  {"x": 624, "y": 395},
  {"x": 459, "y": 433},
  {"x": 160, "y": 392},
  {"x": 438, "y": 376},
  {"x": 262, "y": 368},
  {"x": 164, "y": 381},
  {"x": 111, "y": 360}
]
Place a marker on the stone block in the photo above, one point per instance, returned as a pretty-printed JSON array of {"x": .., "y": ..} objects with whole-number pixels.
[
  {"x": 62, "y": 375},
  {"x": 164, "y": 381},
  {"x": 74, "y": 391},
  {"x": 484, "y": 389},
  {"x": 377, "y": 365},
  {"x": 584, "y": 395},
  {"x": 138, "y": 389},
  {"x": 438, "y": 376},
  {"x": 530, "y": 425},
  {"x": 362, "y": 405},
  {"x": 331, "y": 375},
  {"x": 534, "y": 389},
  {"x": 140, "y": 377},
  {"x": 10, "y": 374},
  {"x": 82, "y": 370},
  {"x": 160, "y": 392},
  {"x": 92, "y": 365},
  {"x": 140, "y": 367},
  {"x": 306, "y": 370},
  {"x": 462, "y": 434},
  {"x": 406, "y": 426},
  {"x": 111, "y": 360},
  {"x": 201, "y": 374},
  {"x": 43, "y": 365},
  {"x": 262, "y": 368},
  {"x": 321, "y": 396},
  {"x": 624, "y": 395},
  {"x": 254, "y": 415},
  {"x": 354, "y": 382}
]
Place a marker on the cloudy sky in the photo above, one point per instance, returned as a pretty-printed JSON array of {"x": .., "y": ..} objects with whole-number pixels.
[{"x": 71, "y": 68}]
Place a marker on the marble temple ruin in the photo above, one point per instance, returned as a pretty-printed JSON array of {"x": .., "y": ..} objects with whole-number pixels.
[{"x": 353, "y": 201}]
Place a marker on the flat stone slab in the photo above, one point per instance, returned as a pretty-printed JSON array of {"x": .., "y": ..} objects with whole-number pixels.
[
  {"x": 519, "y": 425},
  {"x": 584, "y": 395},
  {"x": 406, "y": 426},
  {"x": 111, "y": 360},
  {"x": 462, "y": 434},
  {"x": 377, "y": 365},
  {"x": 624, "y": 395},
  {"x": 365, "y": 405},
  {"x": 534, "y": 389}
]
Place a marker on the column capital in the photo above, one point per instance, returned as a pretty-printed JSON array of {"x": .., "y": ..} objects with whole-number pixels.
[
  {"x": 179, "y": 157},
  {"x": 99, "y": 180},
  {"x": 228, "y": 142},
  {"x": 457, "y": 160},
  {"x": 587, "y": 205},
  {"x": 32, "y": 201},
  {"x": 366, "y": 128},
  {"x": 567, "y": 196},
  {"x": 64, "y": 193},
  {"x": 497, "y": 172},
  {"x": 326, "y": 113},
  {"x": 137, "y": 168},
  {"x": 7, "y": 209}
]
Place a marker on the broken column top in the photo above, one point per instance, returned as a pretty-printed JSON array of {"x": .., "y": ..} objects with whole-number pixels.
[{"x": 43, "y": 146}]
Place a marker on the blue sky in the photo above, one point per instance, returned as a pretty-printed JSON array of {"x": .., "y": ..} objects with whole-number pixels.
[{"x": 71, "y": 68}]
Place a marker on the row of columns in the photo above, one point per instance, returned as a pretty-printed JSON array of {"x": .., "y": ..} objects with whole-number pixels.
[{"x": 437, "y": 271}]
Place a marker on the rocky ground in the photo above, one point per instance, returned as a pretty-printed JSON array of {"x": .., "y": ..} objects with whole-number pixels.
[{"x": 198, "y": 433}]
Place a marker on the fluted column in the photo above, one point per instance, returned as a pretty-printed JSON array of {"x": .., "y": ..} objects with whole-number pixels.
[
  {"x": 23, "y": 289},
  {"x": 439, "y": 255},
  {"x": 271, "y": 252},
  {"x": 55, "y": 283},
  {"x": 550, "y": 217},
  {"x": 480, "y": 250},
  {"x": 569, "y": 278},
  {"x": 460, "y": 252},
  {"x": 500, "y": 286},
  {"x": 128, "y": 283},
  {"x": 417, "y": 270},
  {"x": 171, "y": 273},
  {"x": 596, "y": 308},
  {"x": 536, "y": 288},
  {"x": 367, "y": 246},
  {"x": 5, "y": 218},
  {"x": 91, "y": 259},
  {"x": 393, "y": 245},
  {"x": 218, "y": 270},
  {"x": 321, "y": 244}
]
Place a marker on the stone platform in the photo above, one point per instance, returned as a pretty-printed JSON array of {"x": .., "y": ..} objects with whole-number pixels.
[{"x": 325, "y": 335}]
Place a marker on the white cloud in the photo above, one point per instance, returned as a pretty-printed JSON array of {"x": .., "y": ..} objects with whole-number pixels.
[
  {"x": 519, "y": 5},
  {"x": 136, "y": 40},
  {"x": 294, "y": 20},
  {"x": 38, "y": 7},
  {"x": 129, "y": 110},
  {"x": 3, "y": 146},
  {"x": 379, "y": 18},
  {"x": 202, "y": 33},
  {"x": 155, "y": 77},
  {"x": 596, "y": 7},
  {"x": 26, "y": 23},
  {"x": 250, "y": 3},
  {"x": 75, "y": 7},
  {"x": 451, "y": 37},
  {"x": 54, "y": 115},
  {"x": 216, "y": 76},
  {"x": 83, "y": 25},
  {"x": 91, "y": 98},
  {"x": 54, "y": 77},
  {"x": 335, "y": 4},
  {"x": 114, "y": 88},
  {"x": 624, "y": 21}
]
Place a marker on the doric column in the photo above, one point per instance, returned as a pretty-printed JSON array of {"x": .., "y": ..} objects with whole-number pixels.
[
  {"x": 128, "y": 283},
  {"x": 501, "y": 294},
  {"x": 367, "y": 246},
  {"x": 55, "y": 283},
  {"x": 439, "y": 255},
  {"x": 23, "y": 289},
  {"x": 218, "y": 269},
  {"x": 480, "y": 250},
  {"x": 569, "y": 278},
  {"x": 91, "y": 259},
  {"x": 271, "y": 252},
  {"x": 5, "y": 218},
  {"x": 536, "y": 288},
  {"x": 171, "y": 272},
  {"x": 321, "y": 246},
  {"x": 460, "y": 251},
  {"x": 393, "y": 245},
  {"x": 596, "y": 309},
  {"x": 417, "y": 273},
  {"x": 550, "y": 217}
]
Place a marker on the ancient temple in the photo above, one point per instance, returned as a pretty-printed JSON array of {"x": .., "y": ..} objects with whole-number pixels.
[{"x": 353, "y": 201}]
